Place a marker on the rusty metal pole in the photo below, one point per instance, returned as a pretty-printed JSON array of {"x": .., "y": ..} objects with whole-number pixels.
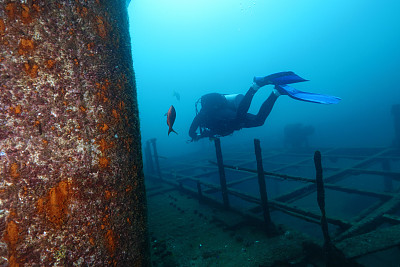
[
  {"x": 321, "y": 196},
  {"x": 221, "y": 170},
  {"x": 149, "y": 158},
  {"x": 155, "y": 156},
  {"x": 72, "y": 187},
  {"x": 262, "y": 186},
  {"x": 333, "y": 256}
]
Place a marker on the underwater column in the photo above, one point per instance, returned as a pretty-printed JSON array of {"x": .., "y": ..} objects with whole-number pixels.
[{"x": 71, "y": 177}]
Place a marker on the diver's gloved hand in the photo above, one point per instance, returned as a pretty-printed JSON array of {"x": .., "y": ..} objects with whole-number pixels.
[
  {"x": 206, "y": 133},
  {"x": 196, "y": 138}
]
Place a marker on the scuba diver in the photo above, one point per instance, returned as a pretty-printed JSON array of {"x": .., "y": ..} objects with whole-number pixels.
[{"x": 221, "y": 115}]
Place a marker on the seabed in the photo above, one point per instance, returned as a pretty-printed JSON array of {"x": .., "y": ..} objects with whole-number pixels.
[{"x": 192, "y": 223}]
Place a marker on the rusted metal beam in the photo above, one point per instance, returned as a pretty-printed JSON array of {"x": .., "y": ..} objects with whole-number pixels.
[
  {"x": 377, "y": 240},
  {"x": 332, "y": 178},
  {"x": 394, "y": 219},
  {"x": 272, "y": 174},
  {"x": 222, "y": 178},
  {"x": 380, "y": 195},
  {"x": 278, "y": 176},
  {"x": 332, "y": 220},
  {"x": 149, "y": 157},
  {"x": 357, "y": 171},
  {"x": 321, "y": 197},
  {"x": 263, "y": 188},
  {"x": 372, "y": 220},
  {"x": 284, "y": 207},
  {"x": 374, "y": 206},
  {"x": 389, "y": 174},
  {"x": 155, "y": 156}
]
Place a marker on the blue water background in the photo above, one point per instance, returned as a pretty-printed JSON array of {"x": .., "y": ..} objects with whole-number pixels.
[{"x": 350, "y": 49}]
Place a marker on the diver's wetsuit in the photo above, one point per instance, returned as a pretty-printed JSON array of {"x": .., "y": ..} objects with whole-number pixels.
[{"x": 225, "y": 120}]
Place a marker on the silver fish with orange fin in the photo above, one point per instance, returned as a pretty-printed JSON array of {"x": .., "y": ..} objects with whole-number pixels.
[{"x": 171, "y": 115}]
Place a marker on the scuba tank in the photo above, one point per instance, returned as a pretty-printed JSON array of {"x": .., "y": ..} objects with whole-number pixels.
[
  {"x": 234, "y": 100},
  {"x": 214, "y": 101}
]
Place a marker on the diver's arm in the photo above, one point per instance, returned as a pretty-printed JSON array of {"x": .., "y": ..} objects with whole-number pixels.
[
  {"x": 197, "y": 121},
  {"x": 195, "y": 124}
]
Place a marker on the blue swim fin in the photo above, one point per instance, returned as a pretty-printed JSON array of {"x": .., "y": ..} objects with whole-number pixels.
[
  {"x": 305, "y": 96},
  {"x": 285, "y": 77}
]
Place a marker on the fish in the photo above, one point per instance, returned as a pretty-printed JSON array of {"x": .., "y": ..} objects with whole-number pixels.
[
  {"x": 177, "y": 95},
  {"x": 171, "y": 116}
]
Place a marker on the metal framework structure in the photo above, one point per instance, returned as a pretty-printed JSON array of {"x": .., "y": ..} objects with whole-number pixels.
[{"x": 347, "y": 172}]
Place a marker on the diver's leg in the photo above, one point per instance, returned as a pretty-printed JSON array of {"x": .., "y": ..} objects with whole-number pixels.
[
  {"x": 246, "y": 101},
  {"x": 265, "y": 109},
  {"x": 250, "y": 121}
]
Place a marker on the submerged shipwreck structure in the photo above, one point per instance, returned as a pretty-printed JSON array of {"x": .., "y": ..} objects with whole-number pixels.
[
  {"x": 71, "y": 181},
  {"x": 351, "y": 193}
]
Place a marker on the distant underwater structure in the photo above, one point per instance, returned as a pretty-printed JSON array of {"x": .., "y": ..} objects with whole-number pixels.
[
  {"x": 396, "y": 123},
  {"x": 71, "y": 188},
  {"x": 296, "y": 135}
]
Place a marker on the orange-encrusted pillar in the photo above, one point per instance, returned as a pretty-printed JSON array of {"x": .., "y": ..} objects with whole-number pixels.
[{"x": 71, "y": 180}]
